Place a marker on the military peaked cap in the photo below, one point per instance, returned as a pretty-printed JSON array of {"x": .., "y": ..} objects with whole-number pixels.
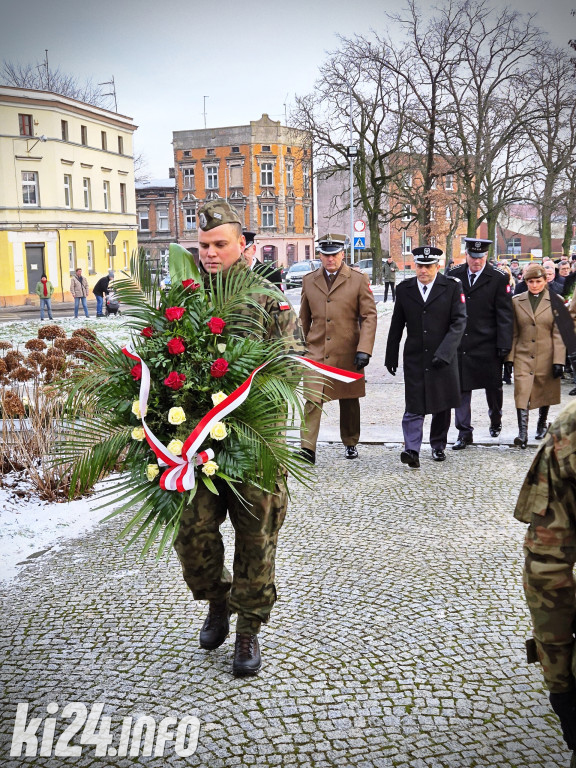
[
  {"x": 476, "y": 248},
  {"x": 215, "y": 213},
  {"x": 328, "y": 244},
  {"x": 250, "y": 237},
  {"x": 426, "y": 254}
]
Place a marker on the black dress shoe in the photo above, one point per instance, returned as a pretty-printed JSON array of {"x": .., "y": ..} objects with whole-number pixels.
[
  {"x": 216, "y": 627},
  {"x": 247, "y": 659},
  {"x": 309, "y": 455},
  {"x": 495, "y": 430},
  {"x": 438, "y": 454},
  {"x": 461, "y": 443},
  {"x": 411, "y": 458},
  {"x": 351, "y": 452}
]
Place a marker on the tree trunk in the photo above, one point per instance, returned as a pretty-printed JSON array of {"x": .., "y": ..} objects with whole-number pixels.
[{"x": 375, "y": 247}]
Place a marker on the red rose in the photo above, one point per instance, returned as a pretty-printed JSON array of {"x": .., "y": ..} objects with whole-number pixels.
[
  {"x": 216, "y": 324},
  {"x": 176, "y": 346},
  {"x": 192, "y": 284},
  {"x": 136, "y": 372},
  {"x": 174, "y": 313},
  {"x": 219, "y": 368},
  {"x": 148, "y": 332},
  {"x": 175, "y": 380}
]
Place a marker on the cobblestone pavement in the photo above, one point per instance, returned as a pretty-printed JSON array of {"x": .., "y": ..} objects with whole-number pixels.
[{"x": 397, "y": 640}]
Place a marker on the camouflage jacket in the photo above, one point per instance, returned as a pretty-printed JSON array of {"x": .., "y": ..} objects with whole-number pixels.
[{"x": 547, "y": 502}]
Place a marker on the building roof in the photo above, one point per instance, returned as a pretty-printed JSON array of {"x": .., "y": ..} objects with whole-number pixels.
[{"x": 156, "y": 184}]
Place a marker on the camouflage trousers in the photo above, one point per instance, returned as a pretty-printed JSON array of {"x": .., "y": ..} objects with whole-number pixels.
[{"x": 250, "y": 590}]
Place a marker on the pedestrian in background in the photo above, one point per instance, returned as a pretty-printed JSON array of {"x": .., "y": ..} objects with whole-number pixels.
[
  {"x": 389, "y": 268},
  {"x": 79, "y": 290},
  {"x": 269, "y": 271},
  {"x": 431, "y": 306},
  {"x": 487, "y": 339},
  {"x": 338, "y": 316},
  {"x": 537, "y": 355},
  {"x": 547, "y": 503},
  {"x": 102, "y": 289},
  {"x": 45, "y": 289}
]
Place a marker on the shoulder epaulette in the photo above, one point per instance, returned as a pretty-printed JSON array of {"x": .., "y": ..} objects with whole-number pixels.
[{"x": 451, "y": 277}]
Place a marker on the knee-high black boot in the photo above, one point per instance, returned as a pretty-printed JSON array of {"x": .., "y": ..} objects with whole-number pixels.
[
  {"x": 542, "y": 425},
  {"x": 522, "y": 439}
]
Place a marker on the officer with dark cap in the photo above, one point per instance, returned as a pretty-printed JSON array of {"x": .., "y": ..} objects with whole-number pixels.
[
  {"x": 250, "y": 591},
  {"x": 431, "y": 306},
  {"x": 266, "y": 270},
  {"x": 487, "y": 339},
  {"x": 338, "y": 315}
]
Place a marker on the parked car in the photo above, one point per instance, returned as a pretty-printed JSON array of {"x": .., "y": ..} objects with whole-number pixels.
[
  {"x": 296, "y": 273},
  {"x": 365, "y": 265}
]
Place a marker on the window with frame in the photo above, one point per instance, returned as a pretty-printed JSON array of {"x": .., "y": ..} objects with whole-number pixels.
[
  {"x": 26, "y": 125},
  {"x": 267, "y": 175},
  {"x": 265, "y": 147},
  {"x": 144, "y": 220},
  {"x": 87, "y": 193},
  {"x": 30, "y": 194},
  {"x": 125, "y": 246},
  {"x": 190, "y": 218},
  {"x": 106, "y": 190},
  {"x": 64, "y": 129},
  {"x": 67, "y": 191},
  {"x": 187, "y": 153},
  {"x": 162, "y": 219},
  {"x": 72, "y": 258},
  {"x": 448, "y": 213},
  {"x": 449, "y": 182},
  {"x": 434, "y": 183},
  {"x": 123, "y": 198},
  {"x": 267, "y": 216},
  {"x": 307, "y": 216},
  {"x": 514, "y": 246},
  {"x": 120, "y": 145},
  {"x": 406, "y": 243},
  {"x": 290, "y": 215},
  {"x": 462, "y": 245},
  {"x": 407, "y": 213},
  {"x": 235, "y": 175},
  {"x": 188, "y": 178},
  {"x": 210, "y": 151},
  {"x": 289, "y": 175},
  {"x": 104, "y": 139},
  {"x": 211, "y": 172},
  {"x": 90, "y": 257},
  {"x": 306, "y": 178},
  {"x": 306, "y": 251},
  {"x": 408, "y": 180},
  {"x": 235, "y": 150},
  {"x": 83, "y": 135}
]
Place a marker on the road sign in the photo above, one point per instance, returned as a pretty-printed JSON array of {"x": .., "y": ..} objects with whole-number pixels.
[
  {"x": 111, "y": 236},
  {"x": 359, "y": 243},
  {"x": 359, "y": 226}
]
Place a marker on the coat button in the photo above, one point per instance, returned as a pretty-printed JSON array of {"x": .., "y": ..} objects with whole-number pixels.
[
  {"x": 426, "y": 369},
  {"x": 425, "y": 331},
  {"x": 328, "y": 320},
  {"x": 532, "y": 356},
  {"x": 326, "y": 357},
  {"x": 327, "y": 338},
  {"x": 328, "y": 300}
]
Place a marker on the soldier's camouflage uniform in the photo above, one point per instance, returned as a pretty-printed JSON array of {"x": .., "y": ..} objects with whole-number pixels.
[
  {"x": 251, "y": 590},
  {"x": 547, "y": 502}
]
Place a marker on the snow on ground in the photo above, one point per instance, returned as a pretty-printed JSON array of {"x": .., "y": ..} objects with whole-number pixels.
[{"x": 110, "y": 328}]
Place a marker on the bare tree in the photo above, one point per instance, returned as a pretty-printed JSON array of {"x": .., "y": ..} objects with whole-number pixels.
[{"x": 40, "y": 76}]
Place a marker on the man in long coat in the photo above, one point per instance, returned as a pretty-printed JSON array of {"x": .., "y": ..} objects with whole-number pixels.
[
  {"x": 338, "y": 316},
  {"x": 431, "y": 306},
  {"x": 487, "y": 339}
]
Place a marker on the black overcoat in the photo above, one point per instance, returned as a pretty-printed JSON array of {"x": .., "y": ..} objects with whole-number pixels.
[
  {"x": 433, "y": 328},
  {"x": 489, "y": 327}
]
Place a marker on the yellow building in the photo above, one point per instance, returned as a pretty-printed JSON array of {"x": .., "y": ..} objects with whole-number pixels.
[{"x": 66, "y": 191}]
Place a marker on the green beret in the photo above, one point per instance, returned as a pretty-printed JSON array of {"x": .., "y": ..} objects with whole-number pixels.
[{"x": 215, "y": 213}]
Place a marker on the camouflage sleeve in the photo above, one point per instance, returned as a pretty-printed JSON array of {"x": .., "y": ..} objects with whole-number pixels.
[
  {"x": 284, "y": 324},
  {"x": 547, "y": 501}
]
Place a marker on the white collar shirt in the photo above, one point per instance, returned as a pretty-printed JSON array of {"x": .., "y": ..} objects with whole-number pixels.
[{"x": 425, "y": 289}]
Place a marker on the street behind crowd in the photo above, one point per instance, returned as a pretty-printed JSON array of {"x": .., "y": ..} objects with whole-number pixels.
[{"x": 397, "y": 640}]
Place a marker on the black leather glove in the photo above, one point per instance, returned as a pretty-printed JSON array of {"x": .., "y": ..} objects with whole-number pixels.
[
  {"x": 564, "y": 704},
  {"x": 508, "y": 366},
  {"x": 438, "y": 363},
  {"x": 361, "y": 360},
  {"x": 391, "y": 369},
  {"x": 557, "y": 371},
  {"x": 502, "y": 353}
]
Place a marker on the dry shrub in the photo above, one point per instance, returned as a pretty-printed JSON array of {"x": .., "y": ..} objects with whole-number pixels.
[
  {"x": 13, "y": 359},
  {"x": 35, "y": 358},
  {"x": 35, "y": 345},
  {"x": 60, "y": 343},
  {"x": 3, "y": 368},
  {"x": 54, "y": 352},
  {"x": 85, "y": 333},
  {"x": 5, "y": 345},
  {"x": 51, "y": 332},
  {"x": 22, "y": 373}
]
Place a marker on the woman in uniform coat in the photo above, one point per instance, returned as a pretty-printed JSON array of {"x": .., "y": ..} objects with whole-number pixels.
[{"x": 537, "y": 354}]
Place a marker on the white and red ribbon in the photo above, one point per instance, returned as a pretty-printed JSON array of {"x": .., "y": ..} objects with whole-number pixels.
[{"x": 181, "y": 473}]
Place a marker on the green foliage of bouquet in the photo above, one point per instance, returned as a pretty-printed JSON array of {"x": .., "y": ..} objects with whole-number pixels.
[{"x": 199, "y": 340}]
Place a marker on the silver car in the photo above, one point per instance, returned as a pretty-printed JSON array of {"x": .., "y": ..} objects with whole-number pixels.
[{"x": 296, "y": 273}]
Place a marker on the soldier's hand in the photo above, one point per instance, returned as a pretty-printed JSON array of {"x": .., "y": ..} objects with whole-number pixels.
[
  {"x": 557, "y": 371},
  {"x": 502, "y": 353},
  {"x": 508, "y": 366},
  {"x": 361, "y": 360},
  {"x": 438, "y": 363},
  {"x": 391, "y": 369}
]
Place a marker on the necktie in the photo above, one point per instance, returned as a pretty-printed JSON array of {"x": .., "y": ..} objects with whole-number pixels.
[
  {"x": 424, "y": 289},
  {"x": 472, "y": 278}
]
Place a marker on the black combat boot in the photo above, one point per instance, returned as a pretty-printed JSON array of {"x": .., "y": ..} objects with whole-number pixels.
[
  {"x": 522, "y": 439},
  {"x": 217, "y": 625},
  {"x": 542, "y": 425},
  {"x": 247, "y": 659}
]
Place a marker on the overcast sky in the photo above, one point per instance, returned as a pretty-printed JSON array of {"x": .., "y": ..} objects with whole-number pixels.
[{"x": 247, "y": 56}]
